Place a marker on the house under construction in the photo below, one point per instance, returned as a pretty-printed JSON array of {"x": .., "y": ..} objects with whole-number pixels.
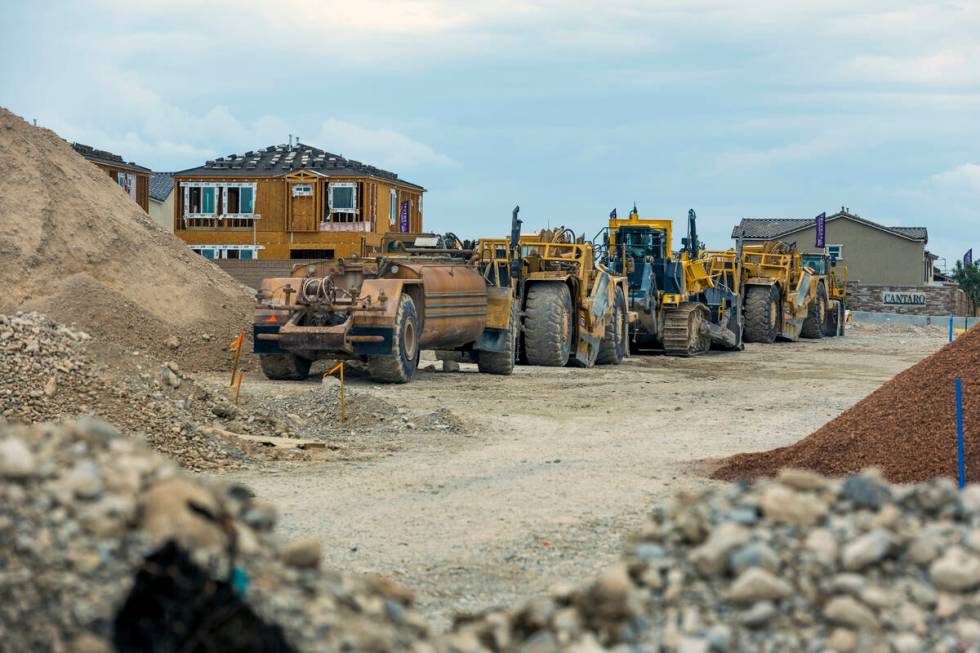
[{"x": 291, "y": 201}]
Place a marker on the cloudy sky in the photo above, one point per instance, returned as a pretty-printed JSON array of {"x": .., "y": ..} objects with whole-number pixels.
[{"x": 570, "y": 108}]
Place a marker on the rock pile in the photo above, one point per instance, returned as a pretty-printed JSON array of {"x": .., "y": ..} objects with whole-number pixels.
[
  {"x": 907, "y": 427},
  {"x": 96, "y": 531},
  {"x": 800, "y": 563}
]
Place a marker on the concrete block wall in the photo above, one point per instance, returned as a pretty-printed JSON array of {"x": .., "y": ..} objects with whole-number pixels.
[
  {"x": 922, "y": 300},
  {"x": 251, "y": 272}
]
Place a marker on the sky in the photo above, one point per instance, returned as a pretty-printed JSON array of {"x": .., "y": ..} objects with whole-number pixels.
[{"x": 736, "y": 109}]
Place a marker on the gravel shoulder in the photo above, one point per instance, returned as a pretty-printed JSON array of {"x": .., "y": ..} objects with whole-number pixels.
[{"x": 553, "y": 467}]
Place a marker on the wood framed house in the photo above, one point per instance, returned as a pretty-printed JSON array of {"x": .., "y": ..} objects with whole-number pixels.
[
  {"x": 291, "y": 202},
  {"x": 132, "y": 178}
]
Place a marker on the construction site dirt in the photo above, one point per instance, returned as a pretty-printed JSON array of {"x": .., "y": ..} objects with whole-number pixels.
[{"x": 488, "y": 490}]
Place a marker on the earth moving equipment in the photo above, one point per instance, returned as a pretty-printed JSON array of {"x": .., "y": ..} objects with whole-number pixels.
[
  {"x": 684, "y": 302},
  {"x": 834, "y": 279},
  {"x": 783, "y": 298},
  {"x": 384, "y": 311},
  {"x": 572, "y": 309}
]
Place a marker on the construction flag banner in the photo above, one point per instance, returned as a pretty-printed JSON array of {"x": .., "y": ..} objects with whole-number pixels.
[
  {"x": 968, "y": 257},
  {"x": 612, "y": 214},
  {"x": 821, "y": 231},
  {"x": 403, "y": 225}
]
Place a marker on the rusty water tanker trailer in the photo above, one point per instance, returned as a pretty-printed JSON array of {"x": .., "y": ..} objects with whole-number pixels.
[{"x": 383, "y": 311}]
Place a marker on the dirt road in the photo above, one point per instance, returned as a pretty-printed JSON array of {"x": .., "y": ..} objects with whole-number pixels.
[{"x": 556, "y": 466}]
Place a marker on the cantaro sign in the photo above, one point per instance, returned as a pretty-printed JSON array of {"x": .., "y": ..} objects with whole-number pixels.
[{"x": 896, "y": 298}]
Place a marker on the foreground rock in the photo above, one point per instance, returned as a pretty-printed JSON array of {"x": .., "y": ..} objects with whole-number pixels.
[
  {"x": 104, "y": 545},
  {"x": 800, "y": 563}
]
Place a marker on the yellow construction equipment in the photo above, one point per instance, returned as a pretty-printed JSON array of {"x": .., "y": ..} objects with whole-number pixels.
[
  {"x": 833, "y": 276},
  {"x": 783, "y": 297},
  {"x": 572, "y": 308},
  {"x": 684, "y": 302},
  {"x": 422, "y": 294}
]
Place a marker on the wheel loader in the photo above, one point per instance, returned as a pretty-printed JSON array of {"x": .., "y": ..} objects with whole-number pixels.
[
  {"x": 423, "y": 293},
  {"x": 833, "y": 276},
  {"x": 685, "y": 302},
  {"x": 784, "y": 299},
  {"x": 571, "y": 308}
]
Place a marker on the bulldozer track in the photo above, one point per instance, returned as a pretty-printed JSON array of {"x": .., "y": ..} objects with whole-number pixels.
[{"x": 683, "y": 335}]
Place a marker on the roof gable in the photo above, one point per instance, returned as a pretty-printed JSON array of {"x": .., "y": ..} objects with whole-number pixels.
[
  {"x": 161, "y": 185},
  {"x": 279, "y": 160},
  {"x": 772, "y": 228},
  {"x": 106, "y": 158}
]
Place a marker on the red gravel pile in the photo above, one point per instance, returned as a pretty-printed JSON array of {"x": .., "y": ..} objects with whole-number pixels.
[{"x": 907, "y": 427}]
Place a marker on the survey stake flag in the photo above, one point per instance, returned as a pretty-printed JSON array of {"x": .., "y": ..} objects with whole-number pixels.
[
  {"x": 821, "y": 231},
  {"x": 968, "y": 257}
]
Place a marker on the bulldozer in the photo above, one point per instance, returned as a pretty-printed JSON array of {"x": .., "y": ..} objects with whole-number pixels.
[
  {"x": 421, "y": 293},
  {"x": 571, "y": 309},
  {"x": 784, "y": 298},
  {"x": 685, "y": 302}
]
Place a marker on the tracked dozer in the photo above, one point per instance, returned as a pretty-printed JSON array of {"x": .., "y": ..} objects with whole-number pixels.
[
  {"x": 684, "y": 302},
  {"x": 572, "y": 310},
  {"x": 423, "y": 293}
]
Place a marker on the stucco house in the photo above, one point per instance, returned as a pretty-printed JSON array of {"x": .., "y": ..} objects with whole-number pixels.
[
  {"x": 162, "y": 200},
  {"x": 873, "y": 253}
]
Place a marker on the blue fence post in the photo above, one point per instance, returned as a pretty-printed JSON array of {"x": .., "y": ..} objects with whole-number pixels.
[
  {"x": 959, "y": 433},
  {"x": 951, "y": 328}
]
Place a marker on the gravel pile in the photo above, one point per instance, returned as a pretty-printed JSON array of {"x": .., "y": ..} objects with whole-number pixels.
[
  {"x": 801, "y": 563},
  {"x": 907, "y": 427},
  {"x": 106, "y": 546},
  {"x": 48, "y": 373}
]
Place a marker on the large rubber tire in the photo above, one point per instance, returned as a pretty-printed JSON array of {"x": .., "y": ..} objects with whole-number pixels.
[
  {"x": 831, "y": 325},
  {"x": 813, "y": 325},
  {"x": 615, "y": 343},
  {"x": 400, "y": 367},
  {"x": 548, "y": 326},
  {"x": 762, "y": 314},
  {"x": 285, "y": 367},
  {"x": 502, "y": 362}
]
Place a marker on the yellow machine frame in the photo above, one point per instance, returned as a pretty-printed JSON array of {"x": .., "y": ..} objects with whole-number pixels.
[{"x": 592, "y": 286}]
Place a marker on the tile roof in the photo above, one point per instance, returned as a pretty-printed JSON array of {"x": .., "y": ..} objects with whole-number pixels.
[
  {"x": 161, "y": 184},
  {"x": 278, "y": 160},
  {"x": 772, "y": 228},
  {"x": 106, "y": 158}
]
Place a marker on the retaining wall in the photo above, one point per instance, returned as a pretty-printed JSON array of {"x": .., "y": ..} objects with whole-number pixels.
[{"x": 910, "y": 300}]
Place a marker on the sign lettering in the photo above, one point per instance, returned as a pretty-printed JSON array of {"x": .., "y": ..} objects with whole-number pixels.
[{"x": 904, "y": 298}]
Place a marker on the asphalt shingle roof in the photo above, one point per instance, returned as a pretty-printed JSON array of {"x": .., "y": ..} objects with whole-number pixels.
[
  {"x": 773, "y": 228},
  {"x": 107, "y": 158},
  {"x": 161, "y": 184},
  {"x": 278, "y": 160}
]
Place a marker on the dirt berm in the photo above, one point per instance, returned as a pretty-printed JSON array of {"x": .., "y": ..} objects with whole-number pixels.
[
  {"x": 907, "y": 427},
  {"x": 74, "y": 246}
]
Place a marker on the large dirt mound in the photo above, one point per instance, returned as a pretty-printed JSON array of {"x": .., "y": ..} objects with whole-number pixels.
[
  {"x": 77, "y": 248},
  {"x": 907, "y": 427}
]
